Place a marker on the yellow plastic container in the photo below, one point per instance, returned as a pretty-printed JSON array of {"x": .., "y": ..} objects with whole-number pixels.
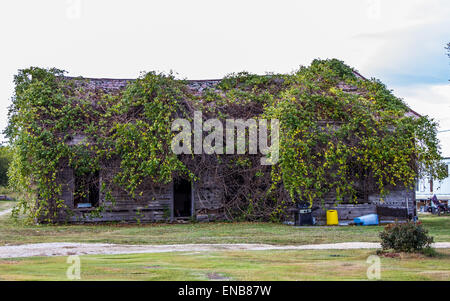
[{"x": 332, "y": 217}]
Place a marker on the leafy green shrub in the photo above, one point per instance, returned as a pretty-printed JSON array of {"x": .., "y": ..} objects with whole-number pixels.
[{"x": 407, "y": 237}]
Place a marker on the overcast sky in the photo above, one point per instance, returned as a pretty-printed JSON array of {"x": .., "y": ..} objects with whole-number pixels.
[{"x": 400, "y": 42}]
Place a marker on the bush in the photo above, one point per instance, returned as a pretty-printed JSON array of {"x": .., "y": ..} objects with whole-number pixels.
[{"x": 407, "y": 237}]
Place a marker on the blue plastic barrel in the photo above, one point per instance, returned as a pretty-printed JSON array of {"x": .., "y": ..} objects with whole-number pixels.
[{"x": 366, "y": 220}]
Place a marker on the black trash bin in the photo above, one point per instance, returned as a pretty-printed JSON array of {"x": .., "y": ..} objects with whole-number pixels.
[{"x": 303, "y": 215}]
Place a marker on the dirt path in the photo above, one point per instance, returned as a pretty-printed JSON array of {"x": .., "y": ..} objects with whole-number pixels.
[
  {"x": 65, "y": 249},
  {"x": 5, "y": 212}
]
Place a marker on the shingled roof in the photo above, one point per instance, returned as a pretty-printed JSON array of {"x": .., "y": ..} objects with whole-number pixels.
[
  {"x": 109, "y": 85},
  {"x": 114, "y": 84}
]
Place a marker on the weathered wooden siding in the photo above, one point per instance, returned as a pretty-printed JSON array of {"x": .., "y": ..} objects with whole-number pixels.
[
  {"x": 398, "y": 198},
  {"x": 155, "y": 204},
  {"x": 207, "y": 200}
]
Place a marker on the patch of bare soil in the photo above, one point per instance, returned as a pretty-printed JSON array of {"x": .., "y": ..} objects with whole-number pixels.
[
  {"x": 216, "y": 276},
  {"x": 65, "y": 249},
  {"x": 9, "y": 262}
]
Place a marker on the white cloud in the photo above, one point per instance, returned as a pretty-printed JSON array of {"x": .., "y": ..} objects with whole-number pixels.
[
  {"x": 208, "y": 39},
  {"x": 431, "y": 100}
]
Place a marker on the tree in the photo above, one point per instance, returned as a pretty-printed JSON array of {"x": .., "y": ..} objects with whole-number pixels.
[{"x": 5, "y": 160}]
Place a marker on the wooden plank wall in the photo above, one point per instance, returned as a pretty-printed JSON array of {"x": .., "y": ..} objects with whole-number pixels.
[
  {"x": 156, "y": 202},
  {"x": 207, "y": 200},
  {"x": 397, "y": 198}
]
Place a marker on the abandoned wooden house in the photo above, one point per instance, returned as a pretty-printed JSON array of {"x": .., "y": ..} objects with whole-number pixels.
[{"x": 202, "y": 199}]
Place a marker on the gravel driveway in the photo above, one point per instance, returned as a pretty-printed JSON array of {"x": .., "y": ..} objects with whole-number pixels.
[{"x": 65, "y": 249}]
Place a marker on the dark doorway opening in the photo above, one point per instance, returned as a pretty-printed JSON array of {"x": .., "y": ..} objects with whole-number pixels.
[
  {"x": 87, "y": 192},
  {"x": 182, "y": 198}
]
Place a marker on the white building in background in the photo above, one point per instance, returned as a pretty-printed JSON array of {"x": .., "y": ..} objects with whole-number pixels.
[{"x": 426, "y": 187}]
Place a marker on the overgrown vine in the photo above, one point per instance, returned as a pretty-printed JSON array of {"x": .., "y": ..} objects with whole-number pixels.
[{"x": 340, "y": 135}]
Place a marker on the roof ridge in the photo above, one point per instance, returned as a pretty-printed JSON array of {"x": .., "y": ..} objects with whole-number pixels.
[{"x": 131, "y": 79}]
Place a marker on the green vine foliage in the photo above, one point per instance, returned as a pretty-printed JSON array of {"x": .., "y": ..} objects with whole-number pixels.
[
  {"x": 133, "y": 127},
  {"x": 339, "y": 134},
  {"x": 332, "y": 140},
  {"x": 149, "y": 105}
]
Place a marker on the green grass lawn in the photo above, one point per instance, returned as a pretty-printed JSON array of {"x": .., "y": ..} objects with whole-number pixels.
[
  {"x": 270, "y": 233},
  {"x": 232, "y": 265}
]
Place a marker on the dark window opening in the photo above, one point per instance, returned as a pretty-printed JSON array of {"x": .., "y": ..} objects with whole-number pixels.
[
  {"x": 87, "y": 193},
  {"x": 182, "y": 198}
]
